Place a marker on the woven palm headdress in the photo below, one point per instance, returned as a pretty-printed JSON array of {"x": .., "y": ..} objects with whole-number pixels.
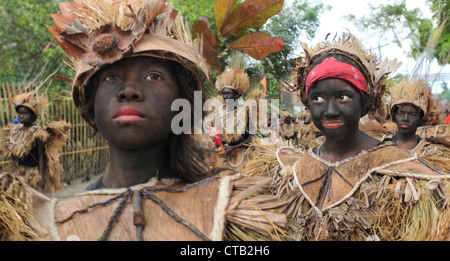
[
  {"x": 413, "y": 91},
  {"x": 31, "y": 97},
  {"x": 96, "y": 33},
  {"x": 347, "y": 45},
  {"x": 235, "y": 77}
]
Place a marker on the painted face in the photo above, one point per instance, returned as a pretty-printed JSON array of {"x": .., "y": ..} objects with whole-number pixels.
[
  {"x": 26, "y": 116},
  {"x": 407, "y": 118},
  {"x": 133, "y": 102},
  {"x": 335, "y": 107},
  {"x": 228, "y": 93}
]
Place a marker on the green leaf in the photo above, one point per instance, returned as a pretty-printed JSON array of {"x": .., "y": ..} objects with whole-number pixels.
[
  {"x": 222, "y": 11},
  {"x": 258, "y": 45},
  {"x": 250, "y": 14}
]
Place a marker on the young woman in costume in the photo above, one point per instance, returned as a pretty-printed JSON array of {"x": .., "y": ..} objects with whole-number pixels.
[
  {"x": 411, "y": 107},
  {"x": 34, "y": 150},
  {"x": 352, "y": 186},
  {"x": 139, "y": 58}
]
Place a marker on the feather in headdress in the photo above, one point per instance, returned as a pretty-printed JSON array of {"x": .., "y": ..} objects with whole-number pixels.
[
  {"x": 30, "y": 96},
  {"x": 235, "y": 77}
]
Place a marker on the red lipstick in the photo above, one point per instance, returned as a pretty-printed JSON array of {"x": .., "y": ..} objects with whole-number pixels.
[
  {"x": 128, "y": 113},
  {"x": 332, "y": 124}
]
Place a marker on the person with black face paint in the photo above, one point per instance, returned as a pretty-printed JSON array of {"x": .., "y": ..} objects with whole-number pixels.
[
  {"x": 233, "y": 84},
  {"x": 411, "y": 100},
  {"x": 352, "y": 185},
  {"x": 156, "y": 187},
  {"x": 34, "y": 150}
]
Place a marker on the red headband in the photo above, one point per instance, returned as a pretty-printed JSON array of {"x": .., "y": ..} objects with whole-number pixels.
[{"x": 331, "y": 68}]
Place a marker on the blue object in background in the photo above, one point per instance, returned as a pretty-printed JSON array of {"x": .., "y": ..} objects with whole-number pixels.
[{"x": 16, "y": 121}]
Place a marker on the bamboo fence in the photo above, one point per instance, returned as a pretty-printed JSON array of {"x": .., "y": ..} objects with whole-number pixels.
[{"x": 84, "y": 155}]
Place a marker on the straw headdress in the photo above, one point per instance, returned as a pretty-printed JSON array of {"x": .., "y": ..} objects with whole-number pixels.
[
  {"x": 235, "y": 77},
  {"x": 30, "y": 97},
  {"x": 348, "y": 45},
  {"x": 96, "y": 33},
  {"x": 414, "y": 91}
]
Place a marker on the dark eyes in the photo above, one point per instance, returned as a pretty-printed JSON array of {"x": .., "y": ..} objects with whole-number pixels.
[
  {"x": 344, "y": 98},
  {"x": 408, "y": 114},
  {"x": 112, "y": 77},
  {"x": 154, "y": 77},
  {"x": 150, "y": 77},
  {"x": 318, "y": 99},
  {"x": 341, "y": 98}
]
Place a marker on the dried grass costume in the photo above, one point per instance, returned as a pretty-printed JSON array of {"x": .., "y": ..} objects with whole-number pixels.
[
  {"x": 289, "y": 130},
  {"x": 227, "y": 206},
  {"x": 18, "y": 144},
  {"x": 383, "y": 193},
  {"x": 235, "y": 78}
]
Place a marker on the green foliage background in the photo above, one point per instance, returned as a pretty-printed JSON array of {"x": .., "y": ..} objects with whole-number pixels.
[{"x": 26, "y": 46}]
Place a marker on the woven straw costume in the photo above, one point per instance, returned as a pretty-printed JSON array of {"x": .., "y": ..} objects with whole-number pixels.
[
  {"x": 417, "y": 93},
  {"x": 18, "y": 144},
  {"x": 216, "y": 208},
  {"x": 289, "y": 127},
  {"x": 310, "y": 135},
  {"x": 383, "y": 193},
  {"x": 235, "y": 78}
]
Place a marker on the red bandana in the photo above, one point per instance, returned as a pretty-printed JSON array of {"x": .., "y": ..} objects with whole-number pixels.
[{"x": 331, "y": 68}]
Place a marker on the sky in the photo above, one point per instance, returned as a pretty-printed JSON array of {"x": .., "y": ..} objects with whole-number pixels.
[{"x": 332, "y": 21}]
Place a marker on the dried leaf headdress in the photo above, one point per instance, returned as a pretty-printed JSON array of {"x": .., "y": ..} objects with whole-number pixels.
[
  {"x": 413, "y": 91},
  {"x": 348, "y": 45},
  {"x": 235, "y": 77},
  {"x": 96, "y": 33},
  {"x": 31, "y": 97}
]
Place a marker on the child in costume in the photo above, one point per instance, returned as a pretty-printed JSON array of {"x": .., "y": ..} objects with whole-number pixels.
[
  {"x": 411, "y": 107},
  {"x": 352, "y": 186},
  {"x": 233, "y": 84},
  {"x": 289, "y": 127},
  {"x": 34, "y": 150},
  {"x": 132, "y": 61}
]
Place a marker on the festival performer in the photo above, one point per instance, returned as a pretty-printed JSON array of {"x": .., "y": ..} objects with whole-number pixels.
[
  {"x": 233, "y": 84},
  {"x": 434, "y": 129},
  {"x": 290, "y": 127},
  {"x": 34, "y": 150},
  {"x": 352, "y": 186},
  {"x": 310, "y": 135},
  {"x": 411, "y": 106},
  {"x": 138, "y": 59}
]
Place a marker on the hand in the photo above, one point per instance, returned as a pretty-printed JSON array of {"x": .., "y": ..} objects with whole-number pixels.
[{"x": 221, "y": 152}]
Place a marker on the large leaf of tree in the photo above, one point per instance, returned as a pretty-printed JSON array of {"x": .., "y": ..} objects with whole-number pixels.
[
  {"x": 210, "y": 48},
  {"x": 211, "y": 54},
  {"x": 258, "y": 45},
  {"x": 222, "y": 11},
  {"x": 250, "y": 14},
  {"x": 202, "y": 27}
]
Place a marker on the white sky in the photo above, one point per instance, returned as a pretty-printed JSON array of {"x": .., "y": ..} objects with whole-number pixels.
[{"x": 332, "y": 21}]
